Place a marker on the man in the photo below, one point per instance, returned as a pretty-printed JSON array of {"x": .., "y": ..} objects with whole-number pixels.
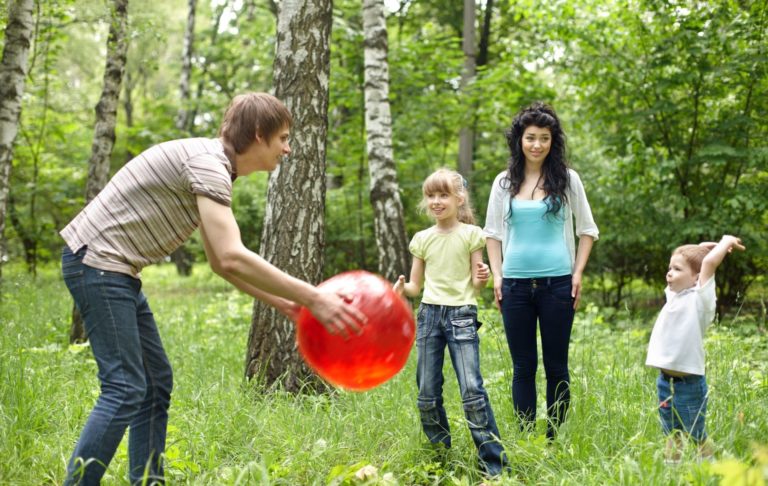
[{"x": 148, "y": 209}]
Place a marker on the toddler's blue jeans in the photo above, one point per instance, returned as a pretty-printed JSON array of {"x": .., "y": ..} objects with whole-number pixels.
[
  {"x": 683, "y": 404},
  {"x": 455, "y": 327},
  {"x": 134, "y": 372}
]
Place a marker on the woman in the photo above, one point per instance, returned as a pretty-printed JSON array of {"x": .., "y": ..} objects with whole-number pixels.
[{"x": 531, "y": 247}]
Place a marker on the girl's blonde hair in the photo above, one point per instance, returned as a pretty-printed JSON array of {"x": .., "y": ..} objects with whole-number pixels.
[{"x": 450, "y": 182}]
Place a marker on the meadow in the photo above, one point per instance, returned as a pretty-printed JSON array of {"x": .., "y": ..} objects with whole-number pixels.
[{"x": 225, "y": 430}]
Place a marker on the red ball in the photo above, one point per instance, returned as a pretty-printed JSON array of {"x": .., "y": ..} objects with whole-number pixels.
[{"x": 360, "y": 361}]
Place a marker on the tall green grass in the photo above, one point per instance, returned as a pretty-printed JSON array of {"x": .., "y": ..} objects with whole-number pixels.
[{"x": 226, "y": 431}]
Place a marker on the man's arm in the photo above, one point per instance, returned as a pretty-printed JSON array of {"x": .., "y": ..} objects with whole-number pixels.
[
  {"x": 716, "y": 256},
  {"x": 248, "y": 271}
]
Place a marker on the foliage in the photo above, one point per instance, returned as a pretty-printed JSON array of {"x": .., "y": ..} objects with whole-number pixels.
[
  {"x": 664, "y": 103},
  {"x": 227, "y": 431},
  {"x": 676, "y": 95}
]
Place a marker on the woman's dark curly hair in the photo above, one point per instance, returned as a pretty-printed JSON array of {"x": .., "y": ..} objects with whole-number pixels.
[{"x": 555, "y": 167}]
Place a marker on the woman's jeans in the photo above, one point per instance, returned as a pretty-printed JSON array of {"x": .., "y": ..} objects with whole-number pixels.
[
  {"x": 548, "y": 301},
  {"x": 455, "y": 327},
  {"x": 134, "y": 372}
]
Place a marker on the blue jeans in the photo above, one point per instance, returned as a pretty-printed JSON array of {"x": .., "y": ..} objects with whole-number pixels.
[
  {"x": 683, "y": 404},
  {"x": 548, "y": 301},
  {"x": 455, "y": 327},
  {"x": 134, "y": 372}
]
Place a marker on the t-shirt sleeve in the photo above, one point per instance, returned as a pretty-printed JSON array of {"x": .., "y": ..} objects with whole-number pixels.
[
  {"x": 208, "y": 176},
  {"x": 476, "y": 239},
  {"x": 416, "y": 247}
]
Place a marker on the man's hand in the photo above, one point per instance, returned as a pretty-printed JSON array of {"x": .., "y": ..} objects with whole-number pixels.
[{"x": 333, "y": 311}]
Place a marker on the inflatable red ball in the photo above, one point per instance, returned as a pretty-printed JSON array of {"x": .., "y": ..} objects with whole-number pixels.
[{"x": 360, "y": 361}]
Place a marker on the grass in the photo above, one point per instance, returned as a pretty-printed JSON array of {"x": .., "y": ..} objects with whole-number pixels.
[{"x": 226, "y": 431}]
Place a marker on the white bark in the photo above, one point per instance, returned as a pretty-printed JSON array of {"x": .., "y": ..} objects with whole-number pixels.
[
  {"x": 467, "y": 135},
  {"x": 13, "y": 73},
  {"x": 294, "y": 223},
  {"x": 389, "y": 225},
  {"x": 182, "y": 116},
  {"x": 106, "y": 108},
  {"x": 106, "y": 119}
]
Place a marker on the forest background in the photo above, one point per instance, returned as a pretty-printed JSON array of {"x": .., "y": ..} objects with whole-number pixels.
[{"x": 664, "y": 102}]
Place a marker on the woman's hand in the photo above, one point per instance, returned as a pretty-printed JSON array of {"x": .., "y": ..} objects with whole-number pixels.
[
  {"x": 576, "y": 289},
  {"x": 497, "y": 280}
]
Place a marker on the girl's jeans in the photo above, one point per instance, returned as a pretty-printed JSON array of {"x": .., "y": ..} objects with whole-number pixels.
[
  {"x": 524, "y": 302},
  {"x": 134, "y": 372},
  {"x": 455, "y": 327}
]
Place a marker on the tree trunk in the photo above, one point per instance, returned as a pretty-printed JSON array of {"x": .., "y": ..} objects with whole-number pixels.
[
  {"x": 293, "y": 237},
  {"x": 106, "y": 108},
  {"x": 467, "y": 134},
  {"x": 181, "y": 256},
  {"x": 389, "y": 226},
  {"x": 106, "y": 118},
  {"x": 182, "y": 116},
  {"x": 485, "y": 34},
  {"x": 13, "y": 74}
]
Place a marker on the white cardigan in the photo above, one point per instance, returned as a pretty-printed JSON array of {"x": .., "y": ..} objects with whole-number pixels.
[{"x": 577, "y": 205}]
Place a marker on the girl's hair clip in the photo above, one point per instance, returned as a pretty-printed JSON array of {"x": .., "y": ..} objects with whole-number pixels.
[{"x": 464, "y": 182}]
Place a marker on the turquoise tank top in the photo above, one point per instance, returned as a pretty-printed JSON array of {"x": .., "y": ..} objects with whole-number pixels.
[{"x": 536, "y": 242}]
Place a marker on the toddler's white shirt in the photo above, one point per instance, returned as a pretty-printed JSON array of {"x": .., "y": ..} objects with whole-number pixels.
[{"x": 677, "y": 339}]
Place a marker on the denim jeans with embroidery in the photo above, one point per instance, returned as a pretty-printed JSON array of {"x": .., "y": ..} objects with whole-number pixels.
[
  {"x": 548, "y": 302},
  {"x": 439, "y": 327},
  {"x": 134, "y": 372}
]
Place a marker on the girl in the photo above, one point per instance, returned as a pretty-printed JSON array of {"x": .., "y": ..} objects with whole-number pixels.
[
  {"x": 449, "y": 258},
  {"x": 536, "y": 272}
]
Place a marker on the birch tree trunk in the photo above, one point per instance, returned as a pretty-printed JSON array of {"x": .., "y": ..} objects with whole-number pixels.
[
  {"x": 182, "y": 116},
  {"x": 389, "y": 225},
  {"x": 467, "y": 133},
  {"x": 106, "y": 118},
  {"x": 181, "y": 256},
  {"x": 106, "y": 108},
  {"x": 13, "y": 74},
  {"x": 293, "y": 238}
]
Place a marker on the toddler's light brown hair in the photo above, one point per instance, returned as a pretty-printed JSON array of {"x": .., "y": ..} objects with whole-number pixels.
[{"x": 693, "y": 255}]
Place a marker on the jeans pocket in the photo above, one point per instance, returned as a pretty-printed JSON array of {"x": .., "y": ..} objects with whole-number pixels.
[
  {"x": 71, "y": 263},
  {"x": 428, "y": 411},
  {"x": 561, "y": 292},
  {"x": 422, "y": 330},
  {"x": 464, "y": 328},
  {"x": 476, "y": 412}
]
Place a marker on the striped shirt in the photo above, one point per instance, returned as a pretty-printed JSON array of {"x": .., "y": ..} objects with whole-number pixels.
[{"x": 149, "y": 208}]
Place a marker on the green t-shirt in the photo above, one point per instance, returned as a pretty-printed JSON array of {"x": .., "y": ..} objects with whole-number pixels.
[{"x": 447, "y": 267}]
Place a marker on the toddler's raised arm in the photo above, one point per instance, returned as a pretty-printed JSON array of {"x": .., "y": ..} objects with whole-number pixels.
[{"x": 715, "y": 257}]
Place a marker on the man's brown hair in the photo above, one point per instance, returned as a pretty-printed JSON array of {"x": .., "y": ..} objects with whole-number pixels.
[
  {"x": 693, "y": 255},
  {"x": 252, "y": 114}
]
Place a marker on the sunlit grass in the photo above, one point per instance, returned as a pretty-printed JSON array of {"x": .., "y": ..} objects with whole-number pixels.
[{"x": 225, "y": 431}]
